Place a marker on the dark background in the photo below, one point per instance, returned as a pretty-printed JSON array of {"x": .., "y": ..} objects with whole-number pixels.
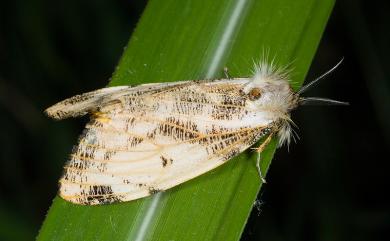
[{"x": 331, "y": 185}]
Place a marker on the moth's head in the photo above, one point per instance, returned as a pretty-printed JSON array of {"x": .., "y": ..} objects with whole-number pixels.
[{"x": 269, "y": 88}]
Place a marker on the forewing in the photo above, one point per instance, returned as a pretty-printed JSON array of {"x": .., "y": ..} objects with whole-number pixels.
[
  {"x": 154, "y": 141},
  {"x": 93, "y": 101}
]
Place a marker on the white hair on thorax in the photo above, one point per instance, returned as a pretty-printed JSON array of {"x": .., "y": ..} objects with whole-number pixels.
[{"x": 280, "y": 104}]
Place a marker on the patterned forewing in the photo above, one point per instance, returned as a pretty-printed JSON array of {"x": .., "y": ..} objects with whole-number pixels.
[{"x": 147, "y": 141}]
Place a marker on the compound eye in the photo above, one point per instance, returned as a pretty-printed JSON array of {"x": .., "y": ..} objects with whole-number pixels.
[{"x": 254, "y": 94}]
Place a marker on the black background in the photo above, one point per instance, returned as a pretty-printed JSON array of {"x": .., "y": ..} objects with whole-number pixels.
[{"x": 331, "y": 185}]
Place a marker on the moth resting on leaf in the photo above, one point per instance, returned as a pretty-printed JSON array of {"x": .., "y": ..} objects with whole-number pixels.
[{"x": 151, "y": 137}]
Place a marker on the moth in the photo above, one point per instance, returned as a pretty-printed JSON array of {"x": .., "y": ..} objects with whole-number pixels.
[{"x": 149, "y": 138}]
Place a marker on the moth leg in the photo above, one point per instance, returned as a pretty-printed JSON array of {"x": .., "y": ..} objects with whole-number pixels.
[
  {"x": 258, "y": 168},
  {"x": 226, "y": 72},
  {"x": 259, "y": 150}
]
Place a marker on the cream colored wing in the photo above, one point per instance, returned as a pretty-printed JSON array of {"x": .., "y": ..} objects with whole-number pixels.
[
  {"x": 110, "y": 165},
  {"x": 90, "y": 102},
  {"x": 142, "y": 142}
]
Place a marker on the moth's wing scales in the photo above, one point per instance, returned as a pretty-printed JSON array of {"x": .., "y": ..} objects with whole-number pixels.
[
  {"x": 130, "y": 165},
  {"x": 160, "y": 139},
  {"x": 90, "y": 102},
  {"x": 80, "y": 105}
]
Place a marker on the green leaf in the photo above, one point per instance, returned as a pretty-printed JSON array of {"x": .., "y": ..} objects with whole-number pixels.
[{"x": 182, "y": 40}]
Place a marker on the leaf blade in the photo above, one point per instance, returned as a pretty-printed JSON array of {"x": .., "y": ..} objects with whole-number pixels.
[{"x": 178, "y": 40}]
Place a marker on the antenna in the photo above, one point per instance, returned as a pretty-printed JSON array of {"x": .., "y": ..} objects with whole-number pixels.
[
  {"x": 309, "y": 85},
  {"x": 318, "y": 100}
]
